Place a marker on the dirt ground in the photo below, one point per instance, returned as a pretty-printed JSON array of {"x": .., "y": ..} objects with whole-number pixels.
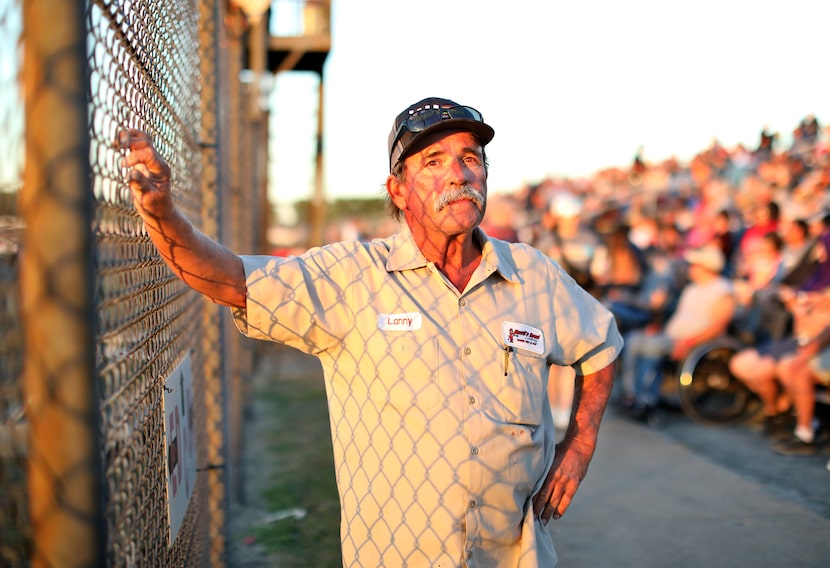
[
  {"x": 278, "y": 394},
  {"x": 257, "y": 465}
]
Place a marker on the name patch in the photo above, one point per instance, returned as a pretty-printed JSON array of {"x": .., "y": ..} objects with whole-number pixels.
[
  {"x": 400, "y": 322},
  {"x": 523, "y": 336}
]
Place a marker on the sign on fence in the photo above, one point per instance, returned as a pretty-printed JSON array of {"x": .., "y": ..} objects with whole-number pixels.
[{"x": 181, "y": 444}]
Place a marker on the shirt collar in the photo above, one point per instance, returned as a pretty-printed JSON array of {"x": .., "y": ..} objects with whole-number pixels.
[{"x": 404, "y": 254}]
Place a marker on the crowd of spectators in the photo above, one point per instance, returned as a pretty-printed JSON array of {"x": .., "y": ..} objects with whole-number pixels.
[{"x": 737, "y": 239}]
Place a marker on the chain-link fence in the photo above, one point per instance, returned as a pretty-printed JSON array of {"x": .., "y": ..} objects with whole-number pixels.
[{"x": 121, "y": 390}]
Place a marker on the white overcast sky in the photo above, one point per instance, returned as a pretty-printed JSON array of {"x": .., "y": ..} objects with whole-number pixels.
[{"x": 570, "y": 87}]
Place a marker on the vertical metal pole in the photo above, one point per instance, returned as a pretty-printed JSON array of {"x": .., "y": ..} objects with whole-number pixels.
[
  {"x": 56, "y": 271},
  {"x": 256, "y": 59},
  {"x": 257, "y": 123},
  {"x": 318, "y": 201},
  {"x": 214, "y": 161}
]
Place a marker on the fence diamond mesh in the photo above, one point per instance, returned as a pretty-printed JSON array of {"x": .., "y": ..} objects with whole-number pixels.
[{"x": 114, "y": 382}]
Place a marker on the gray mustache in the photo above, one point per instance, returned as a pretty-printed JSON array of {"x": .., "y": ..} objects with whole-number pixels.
[{"x": 455, "y": 194}]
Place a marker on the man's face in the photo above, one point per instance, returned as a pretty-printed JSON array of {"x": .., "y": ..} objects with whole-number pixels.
[{"x": 446, "y": 186}]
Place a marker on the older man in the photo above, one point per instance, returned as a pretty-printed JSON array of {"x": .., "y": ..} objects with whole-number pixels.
[{"x": 435, "y": 345}]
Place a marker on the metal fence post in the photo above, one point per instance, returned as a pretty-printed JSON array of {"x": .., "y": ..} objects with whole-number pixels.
[
  {"x": 214, "y": 152},
  {"x": 57, "y": 292}
]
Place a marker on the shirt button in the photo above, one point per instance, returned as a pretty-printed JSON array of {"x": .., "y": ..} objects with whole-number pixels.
[
  {"x": 462, "y": 302},
  {"x": 471, "y": 400},
  {"x": 474, "y": 451},
  {"x": 467, "y": 351},
  {"x": 472, "y": 504}
]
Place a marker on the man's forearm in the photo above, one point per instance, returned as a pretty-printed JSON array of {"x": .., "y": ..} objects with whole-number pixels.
[
  {"x": 204, "y": 265},
  {"x": 591, "y": 394},
  {"x": 576, "y": 450}
]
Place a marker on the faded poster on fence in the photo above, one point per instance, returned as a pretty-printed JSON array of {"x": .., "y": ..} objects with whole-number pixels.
[{"x": 180, "y": 444}]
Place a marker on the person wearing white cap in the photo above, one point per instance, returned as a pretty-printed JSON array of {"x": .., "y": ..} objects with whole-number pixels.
[
  {"x": 568, "y": 240},
  {"x": 704, "y": 310}
]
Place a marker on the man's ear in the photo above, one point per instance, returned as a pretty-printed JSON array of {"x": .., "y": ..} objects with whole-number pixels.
[{"x": 395, "y": 191}]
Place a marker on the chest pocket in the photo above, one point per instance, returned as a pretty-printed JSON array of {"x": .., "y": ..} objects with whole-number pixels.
[
  {"x": 521, "y": 392},
  {"x": 407, "y": 375}
]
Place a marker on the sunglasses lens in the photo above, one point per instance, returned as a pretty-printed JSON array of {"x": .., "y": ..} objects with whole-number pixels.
[
  {"x": 465, "y": 112},
  {"x": 420, "y": 121}
]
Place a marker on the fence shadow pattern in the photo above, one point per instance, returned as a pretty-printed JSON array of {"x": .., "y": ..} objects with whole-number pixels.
[{"x": 438, "y": 409}]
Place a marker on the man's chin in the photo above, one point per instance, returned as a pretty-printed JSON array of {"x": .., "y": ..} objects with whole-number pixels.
[{"x": 465, "y": 216}]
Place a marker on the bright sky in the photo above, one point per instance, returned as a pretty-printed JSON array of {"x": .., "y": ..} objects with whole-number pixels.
[{"x": 569, "y": 87}]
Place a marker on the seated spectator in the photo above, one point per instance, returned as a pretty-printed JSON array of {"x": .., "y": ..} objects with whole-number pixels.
[
  {"x": 618, "y": 267},
  {"x": 754, "y": 291},
  {"x": 723, "y": 234},
  {"x": 714, "y": 197},
  {"x": 783, "y": 373},
  {"x": 765, "y": 220},
  {"x": 760, "y": 367},
  {"x": 570, "y": 241},
  {"x": 799, "y": 259},
  {"x": 799, "y": 373},
  {"x": 757, "y": 368},
  {"x": 797, "y": 255},
  {"x": 810, "y": 273},
  {"x": 704, "y": 311},
  {"x": 819, "y": 275},
  {"x": 663, "y": 277}
]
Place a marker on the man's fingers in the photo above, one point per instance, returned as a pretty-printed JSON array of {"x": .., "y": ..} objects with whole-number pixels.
[
  {"x": 554, "y": 508},
  {"x": 138, "y": 181},
  {"x": 138, "y": 175},
  {"x": 142, "y": 156},
  {"x": 554, "y": 499},
  {"x": 540, "y": 500},
  {"x": 132, "y": 139}
]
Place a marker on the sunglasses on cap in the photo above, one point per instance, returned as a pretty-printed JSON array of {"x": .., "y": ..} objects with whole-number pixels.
[{"x": 424, "y": 118}]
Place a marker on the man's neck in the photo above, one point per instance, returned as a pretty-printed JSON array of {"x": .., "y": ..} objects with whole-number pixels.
[{"x": 457, "y": 257}]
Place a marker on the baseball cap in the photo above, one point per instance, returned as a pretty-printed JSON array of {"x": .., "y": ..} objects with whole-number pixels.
[
  {"x": 707, "y": 256},
  {"x": 431, "y": 115}
]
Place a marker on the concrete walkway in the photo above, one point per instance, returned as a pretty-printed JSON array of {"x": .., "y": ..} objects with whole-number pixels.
[{"x": 650, "y": 502}]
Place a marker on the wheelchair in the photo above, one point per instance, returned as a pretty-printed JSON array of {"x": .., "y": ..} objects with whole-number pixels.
[
  {"x": 702, "y": 387},
  {"x": 707, "y": 391}
]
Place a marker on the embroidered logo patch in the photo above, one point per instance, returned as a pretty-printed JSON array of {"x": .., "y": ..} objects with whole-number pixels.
[
  {"x": 400, "y": 322},
  {"x": 523, "y": 336}
]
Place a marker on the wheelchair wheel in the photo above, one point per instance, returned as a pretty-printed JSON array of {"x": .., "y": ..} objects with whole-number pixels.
[{"x": 708, "y": 392}]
